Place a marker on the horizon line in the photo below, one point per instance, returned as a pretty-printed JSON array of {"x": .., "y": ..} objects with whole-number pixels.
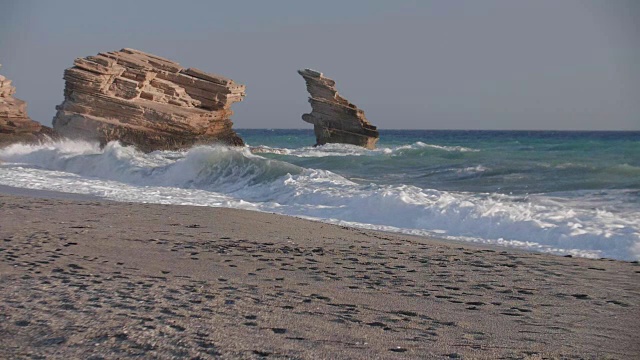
[{"x": 389, "y": 129}]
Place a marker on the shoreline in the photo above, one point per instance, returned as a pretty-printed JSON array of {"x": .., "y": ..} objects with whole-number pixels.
[
  {"x": 51, "y": 194},
  {"x": 46, "y": 194},
  {"x": 60, "y": 195},
  {"x": 86, "y": 277}
]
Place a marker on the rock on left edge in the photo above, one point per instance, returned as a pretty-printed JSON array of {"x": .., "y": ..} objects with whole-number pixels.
[
  {"x": 15, "y": 124},
  {"x": 144, "y": 100}
]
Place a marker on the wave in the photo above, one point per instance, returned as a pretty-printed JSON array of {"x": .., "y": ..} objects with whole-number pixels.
[
  {"x": 472, "y": 170},
  {"x": 420, "y": 146},
  {"x": 216, "y": 168},
  {"x": 623, "y": 169},
  {"x": 341, "y": 150},
  {"x": 236, "y": 177}
]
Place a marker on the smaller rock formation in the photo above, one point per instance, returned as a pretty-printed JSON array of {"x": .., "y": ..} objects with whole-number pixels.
[
  {"x": 15, "y": 124},
  {"x": 144, "y": 100},
  {"x": 334, "y": 119}
]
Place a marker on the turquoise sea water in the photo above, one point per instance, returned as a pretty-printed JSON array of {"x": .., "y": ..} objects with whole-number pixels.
[
  {"x": 560, "y": 192},
  {"x": 509, "y": 162}
]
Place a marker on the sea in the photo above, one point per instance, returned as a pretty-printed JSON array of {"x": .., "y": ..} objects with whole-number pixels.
[{"x": 559, "y": 192}]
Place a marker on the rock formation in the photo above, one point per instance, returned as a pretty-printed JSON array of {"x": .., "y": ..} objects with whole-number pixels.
[
  {"x": 15, "y": 124},
  {"x": 334, "y": 119},
  {"x": 147, "y": 101}
]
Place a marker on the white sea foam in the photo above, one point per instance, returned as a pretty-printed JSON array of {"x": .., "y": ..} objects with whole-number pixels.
[
  {"x": 220, "y": 176},
  {"x": 337, "y": 150},
  {"x": 421, "y": 145},
  {"x": 472, "y": 170}
]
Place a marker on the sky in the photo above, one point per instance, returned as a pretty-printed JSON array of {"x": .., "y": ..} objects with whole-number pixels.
[{"x": 461, "y": 64}]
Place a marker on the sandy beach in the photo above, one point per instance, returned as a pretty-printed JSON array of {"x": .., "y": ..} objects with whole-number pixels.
[{"x": 91, "y": 279}]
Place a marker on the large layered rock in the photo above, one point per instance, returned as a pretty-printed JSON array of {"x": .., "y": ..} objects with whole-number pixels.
[
  {"x": 147, "y": 101},
  {"x": 334, "y": 119},
  {"x": 15, "y": 124}
]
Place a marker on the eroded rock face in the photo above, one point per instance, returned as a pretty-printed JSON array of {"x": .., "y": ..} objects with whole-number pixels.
[
  {"x": 15, "y": 124},
  {"x": 334, "y": 119},
  {"x": 147, "y": 101}
]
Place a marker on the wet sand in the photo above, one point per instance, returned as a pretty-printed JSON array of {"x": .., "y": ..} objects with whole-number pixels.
[{"x": 91, "y": 279}]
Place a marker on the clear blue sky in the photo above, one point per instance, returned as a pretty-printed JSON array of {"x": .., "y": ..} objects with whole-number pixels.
[{"x": 492, "y": 64}]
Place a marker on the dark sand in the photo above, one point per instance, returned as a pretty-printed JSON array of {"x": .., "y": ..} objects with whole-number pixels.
[{"x": 88, "y": 279}]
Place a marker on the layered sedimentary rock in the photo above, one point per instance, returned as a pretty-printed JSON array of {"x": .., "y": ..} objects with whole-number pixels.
[
  {"x": 15, "y": 124},
  {"x": 334, "y": 119},
  {"x": 147, "y": 101}
]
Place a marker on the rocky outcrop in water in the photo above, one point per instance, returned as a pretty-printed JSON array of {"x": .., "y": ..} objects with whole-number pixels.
[
  {"x": 15, "y": 124},
  {"x": 147, "y": 101},
  {"x": 334, "y": 119}
]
